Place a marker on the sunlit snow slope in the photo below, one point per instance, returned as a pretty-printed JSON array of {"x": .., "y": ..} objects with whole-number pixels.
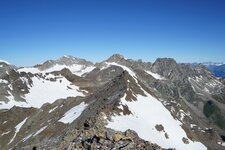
[{"x": 45, "y": 91}]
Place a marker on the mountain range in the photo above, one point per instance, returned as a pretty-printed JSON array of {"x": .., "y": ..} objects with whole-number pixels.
[
  {"x": 71, "y": 103},
  {"x": 218, "y": 69}
]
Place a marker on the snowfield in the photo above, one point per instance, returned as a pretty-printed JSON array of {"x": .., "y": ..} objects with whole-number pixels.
[
  {"x": 75, "y": 69},
  {"x": 147, "y": 112},
  {"x": 44, "y": 91},
  {"x": 73, "y": 113},
  {"x": 29, "y": 69}
]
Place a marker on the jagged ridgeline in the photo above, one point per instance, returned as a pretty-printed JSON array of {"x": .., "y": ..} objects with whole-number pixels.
[{"x": 119, "y": 103}]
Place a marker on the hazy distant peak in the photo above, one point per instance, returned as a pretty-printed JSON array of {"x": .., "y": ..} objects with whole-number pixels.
[
  {"x": 166, "y": 60},
  {"x": 3, "y": 61},
  {"x": 213, "y": 63}
]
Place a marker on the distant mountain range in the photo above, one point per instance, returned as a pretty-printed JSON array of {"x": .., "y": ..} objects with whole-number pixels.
[
  {"x": 71, "y": 103},
  {"x": 218, "y": 69}
]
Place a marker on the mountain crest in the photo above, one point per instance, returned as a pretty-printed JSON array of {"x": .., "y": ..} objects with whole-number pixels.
[
  {"x": 115, "y": 58},
  {"x": 65, "y": 60}
]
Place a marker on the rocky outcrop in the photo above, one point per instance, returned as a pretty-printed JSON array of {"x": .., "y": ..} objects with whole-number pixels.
[
  {"x": 13, "y": 83},
  {"x": 117, "y": 140}
]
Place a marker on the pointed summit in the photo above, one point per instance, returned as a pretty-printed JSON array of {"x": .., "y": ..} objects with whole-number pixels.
[{"x": 115, "y": 58}]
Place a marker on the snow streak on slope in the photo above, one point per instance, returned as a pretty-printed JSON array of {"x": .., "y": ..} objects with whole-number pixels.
[
  {"x": 73, "y": 113},
  {"x": 202, "y": 85},
  {"x": 44, "y": 91},
  {"x": 40, "y": 130},
  {"x": 155, "y": 75},
  {"x": 124, "y": 68},
  {"x": 17, "y": 129},
  {"x": 83, "y": 70},
  {"x": 147, "y": 113}
]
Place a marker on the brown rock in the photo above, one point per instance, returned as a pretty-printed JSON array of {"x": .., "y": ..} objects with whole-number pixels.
[{"x": 117, "y": 136}]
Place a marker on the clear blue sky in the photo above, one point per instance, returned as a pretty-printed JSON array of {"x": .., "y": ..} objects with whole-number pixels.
[{"x": 32, "y": 31}]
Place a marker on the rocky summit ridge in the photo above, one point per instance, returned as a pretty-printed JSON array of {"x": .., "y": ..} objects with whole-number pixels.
[{"x": 71, "y": 103}]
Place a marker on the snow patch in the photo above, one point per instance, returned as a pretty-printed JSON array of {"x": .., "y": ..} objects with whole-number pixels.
[
  {"x": 73, "y": 113},
  {"x": 10, "y": 87},
  {"x": 40, "y": 130},
  {"x": 4, "y": 122},
  {"x": 51, "y": 110},
  {"x": 83, "y": 71},
  {"x": 4, "y": 133},
  {"x": 221, "y": 143},
  {"x": 27, "y": 137},
  {"x": 155, "y": 75},
  {"x": 206, "y": 89},
  {"x": 44, "y": 91},
  {"x": 193, "y": 125},
  {"x": 3, "y": 81}
]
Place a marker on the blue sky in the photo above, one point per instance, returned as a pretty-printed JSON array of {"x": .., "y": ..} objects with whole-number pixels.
[{"x": 32, "y": 31}]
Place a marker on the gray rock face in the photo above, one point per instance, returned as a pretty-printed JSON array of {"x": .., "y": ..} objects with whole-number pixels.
[
  {"x": 222, "y": 80},
  {"x": 168, "y": 68},
  {"x": 12, "y": 83}
]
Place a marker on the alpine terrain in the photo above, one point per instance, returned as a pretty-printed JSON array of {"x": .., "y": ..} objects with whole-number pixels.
[{"x": 71, "y": 103}]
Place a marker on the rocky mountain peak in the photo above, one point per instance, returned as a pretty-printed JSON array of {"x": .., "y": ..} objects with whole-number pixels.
[
  {"x": 163, "y": 61},
  {"x": 6, "y": 67},
  {"x": 203, "y": 70},
  {"x": 115, "y": 58},
  {"x": 3, "y": 64},
  {"x": 164, "y": 66},
  {"x": 70, "y": 60},
  {"x": 66, "y": 60}
]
